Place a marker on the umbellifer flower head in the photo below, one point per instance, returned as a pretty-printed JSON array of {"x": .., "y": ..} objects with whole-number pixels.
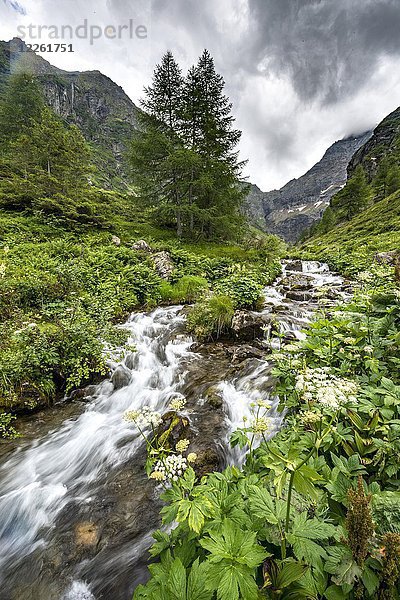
[
  {"x": 192, "y": 457},
  {"x": 177, "y": 404},
  {"x": 182, "y": 445},
  {"x": 157, "y": 475},
  {"x": 261, "y": 425}
]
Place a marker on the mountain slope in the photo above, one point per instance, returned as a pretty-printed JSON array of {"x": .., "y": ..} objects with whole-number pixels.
[
  {"x": 353, "y": 244},
  {"x": 373, "y": 191},
  {"x": 98, "y": 106},
  {"x": 384, "y": 142},
  {"x": 373, "y": 174},
  {"x": 288, "y": 212}
]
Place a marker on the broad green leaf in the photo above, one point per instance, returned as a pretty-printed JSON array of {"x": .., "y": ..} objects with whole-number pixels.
[
  {"x": 228, "y": 586},
  {"x": 370, "y": 580},
  {"x": 262, "y": 504},
  {"x": 290, "y": 572},
  {"x": 177, "y": 580},
  {"x": 196, "y": 590},
  {"x": 334, "y": 592}
]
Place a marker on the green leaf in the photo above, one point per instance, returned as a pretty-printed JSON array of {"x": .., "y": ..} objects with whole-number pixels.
[
  {"x": 228, "y": 587},
  {"x": 370, "y": 580},
  {"x": 262, "y": 504},
  {"x": 290, "y": 572},
  {"x": 304, "y": 486},
  {"x": 196, "y": 590},
  {"x": 334, "y": 592},
  {"x": 312, "y": 529},
  {"x": 177, "y": 580}
]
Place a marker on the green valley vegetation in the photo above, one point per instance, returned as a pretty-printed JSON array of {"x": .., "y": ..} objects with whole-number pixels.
[
  {"x": 69, "y": 268},
  {"x": 373, "y": 175},
  {"x": 183, "y": 158},
  {"x": 314, "y": 512}
]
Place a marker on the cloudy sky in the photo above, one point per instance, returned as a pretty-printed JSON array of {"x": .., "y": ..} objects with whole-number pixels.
[{"x": 301, "y": 73}]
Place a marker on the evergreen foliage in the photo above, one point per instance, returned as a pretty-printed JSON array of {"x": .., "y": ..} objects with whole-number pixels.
[{"x": 183, "y": 157}]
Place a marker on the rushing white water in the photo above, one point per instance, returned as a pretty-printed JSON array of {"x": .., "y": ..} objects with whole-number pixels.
[
  {"x": 79, "y": 590},
  {"x": 68, "y": 466},
  {"x": 244, "y": 390},
  {"x": 38, "y": 481}
]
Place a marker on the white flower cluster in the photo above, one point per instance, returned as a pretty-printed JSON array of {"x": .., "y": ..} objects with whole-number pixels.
[
  {"x": 144, "y": 417},
  {"x": 261, "y": 425},
  {"x": 321, "y": 386},
  {"x": 177, "y": 404},
  {"x": 171, "y": 468}
]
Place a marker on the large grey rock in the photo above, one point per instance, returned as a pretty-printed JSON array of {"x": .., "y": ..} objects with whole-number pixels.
[
  {"x": 245, "y": 351},
  {"x": 298, "y": 295},
  {"x": 387, "y": 258},
  {"x": 163, "y": 264},
  {"x": 121, "y": 377},
  {"x": 248, "y": 325},
  {"x": 294, "y": 265},
  {"x": 142, "y": 246}
]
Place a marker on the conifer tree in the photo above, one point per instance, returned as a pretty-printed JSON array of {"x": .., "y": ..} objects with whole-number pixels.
[
  {"x": 22, "y": 103},
  {"x": 354, "y": 197},
  {"x": 183, "y": 158},
  {"x": 155, "y": 154},
  {"x": 214, "y": 193}
]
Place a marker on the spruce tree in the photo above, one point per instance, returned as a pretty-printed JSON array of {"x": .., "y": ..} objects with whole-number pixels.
[
  {"x": 214, "y": 193},
  {"x": 155, "y": 153},
  {"x": 183, "y": 157}
]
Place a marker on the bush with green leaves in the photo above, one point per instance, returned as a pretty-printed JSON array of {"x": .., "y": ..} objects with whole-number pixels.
[
  {"x": 244, "y": 289},
  {"x": 211, "y": 317},
  {"x": 186, "y": 290}
]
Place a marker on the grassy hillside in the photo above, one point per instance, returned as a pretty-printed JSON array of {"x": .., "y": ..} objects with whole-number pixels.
[{"x": 352, "y": 245}]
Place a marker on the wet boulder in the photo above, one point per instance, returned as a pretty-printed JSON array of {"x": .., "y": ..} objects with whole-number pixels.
[
  {"x": 299, "y": 296},
  {"x": 131, "y": 360},
  {"x": 248, "y": 325},
  {"x": 121, "y": 377},
  {"x": 83, "y": 394},
  {"x": 241, "y": 353},
  {"x": 297, "y": 282},
  {"x": 294, "y": 265},
  {"x": 213, "y": 397},
  {"x": 208, "y": 461}
]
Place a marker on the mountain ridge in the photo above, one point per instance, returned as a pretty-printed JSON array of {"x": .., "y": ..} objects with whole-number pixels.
[
  {"x": 292, "y": 209},
  {"x": 100, "y": 108}
]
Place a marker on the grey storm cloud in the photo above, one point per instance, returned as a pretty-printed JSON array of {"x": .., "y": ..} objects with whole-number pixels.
[
  {"x": 327, "y": 47},
  {"x": 301, "y": 73}
]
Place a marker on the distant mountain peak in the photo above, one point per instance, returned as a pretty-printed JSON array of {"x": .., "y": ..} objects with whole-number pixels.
[{"x": 292, "y": 209}]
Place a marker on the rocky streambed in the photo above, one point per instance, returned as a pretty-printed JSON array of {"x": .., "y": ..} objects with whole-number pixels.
[{"x": 76, "y": 509}]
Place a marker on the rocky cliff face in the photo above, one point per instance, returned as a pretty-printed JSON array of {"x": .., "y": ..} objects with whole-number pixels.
[
  {"x": 288, "y": 212},
  {"x": 90, "y": 100},
  {"x": 384, "y": 141}
]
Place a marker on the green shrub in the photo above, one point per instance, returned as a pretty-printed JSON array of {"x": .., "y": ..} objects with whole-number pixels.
[
  {"x": 7, "y": 431},
  {"x": 187, "y": 289},
  {"x": 244, "y": 290},
  {"x": 211, "y": 317}
]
